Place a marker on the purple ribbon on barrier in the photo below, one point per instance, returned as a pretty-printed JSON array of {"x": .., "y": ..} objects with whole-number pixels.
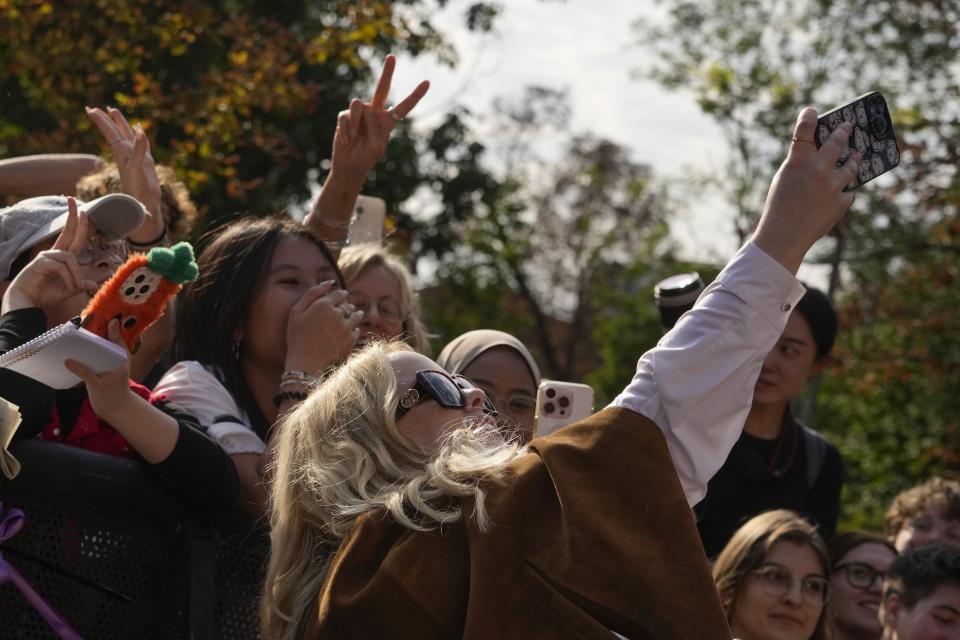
[{"x": 11, "y": 521}]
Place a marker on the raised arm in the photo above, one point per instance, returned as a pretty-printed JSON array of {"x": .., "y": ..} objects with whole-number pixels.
[
  {"x": 697, "y": 383},
  {"x": 138, "y": 172},
  {"x": 46, "y": 174},
  {"x": 360, "y": 141}
]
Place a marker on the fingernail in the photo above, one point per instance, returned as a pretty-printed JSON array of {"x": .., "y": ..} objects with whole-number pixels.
[{"x": 327, "y": 283}]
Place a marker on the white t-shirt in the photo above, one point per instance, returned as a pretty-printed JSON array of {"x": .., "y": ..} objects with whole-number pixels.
[{"x": 195, "y": 389}]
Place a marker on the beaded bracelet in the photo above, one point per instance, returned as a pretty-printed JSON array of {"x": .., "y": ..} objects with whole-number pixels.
[
  {"x": 293, "y": 377},
  {"x": 335, "y": 224},
  {"x": 337, "y": 245},
  {"x": 288, "y": 395}
]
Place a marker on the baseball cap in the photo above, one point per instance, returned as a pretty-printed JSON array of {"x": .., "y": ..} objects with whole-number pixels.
[{"x": 29, "y": 222}]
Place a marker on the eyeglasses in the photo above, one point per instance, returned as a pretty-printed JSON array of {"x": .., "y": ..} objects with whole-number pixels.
[
  {"x": 776, "y": 581},
  {"x": 388, "y": 308},
  {"x": 516, "y": 403},
  {"x": 860, "y": 575},
  {"x": 97, "y": 245},
  {"x": 447, "y": 391}
]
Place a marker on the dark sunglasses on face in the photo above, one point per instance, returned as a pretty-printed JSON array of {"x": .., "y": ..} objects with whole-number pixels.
[{"x": 447, "y": 391}]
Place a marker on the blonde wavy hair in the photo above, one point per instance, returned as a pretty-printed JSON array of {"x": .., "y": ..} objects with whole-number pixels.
[
  {"x": 339, "y": 455},
  {"x": 354, "y": 259}
]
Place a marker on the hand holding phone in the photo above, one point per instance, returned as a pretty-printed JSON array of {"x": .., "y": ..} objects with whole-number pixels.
[
  {"x": 872, "y": 136},
  {"x": 561, "y": 403}
]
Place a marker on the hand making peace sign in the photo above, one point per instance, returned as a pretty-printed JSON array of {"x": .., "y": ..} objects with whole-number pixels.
[
  {"x": 363, "y": 130},
  {"x": 54, "y": 275}
]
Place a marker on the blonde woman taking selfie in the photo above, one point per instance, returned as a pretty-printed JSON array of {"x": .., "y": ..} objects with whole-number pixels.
[{"x": 399, "y": 511}]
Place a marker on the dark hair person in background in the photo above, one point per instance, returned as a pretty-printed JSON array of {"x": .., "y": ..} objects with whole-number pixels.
[
  {"x": 859, "y": 561},
  {"x": 773, "y": 579},
  {"x": 778, "y": 462},
  {"x": 921, "y": 597}
]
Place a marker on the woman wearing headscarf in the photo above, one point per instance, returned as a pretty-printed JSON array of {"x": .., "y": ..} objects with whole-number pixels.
[{"x": 500, "y": 365}]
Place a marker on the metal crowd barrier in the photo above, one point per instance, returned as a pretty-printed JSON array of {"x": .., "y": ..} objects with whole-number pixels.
[{"x": 114, "y": 554}]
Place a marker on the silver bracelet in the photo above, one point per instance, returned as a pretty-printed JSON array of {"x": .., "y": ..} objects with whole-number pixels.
[
  {"x": 291, "y": 378},
  {"x": 337, "y": 245},
  {"x": 335, "y": 224}
]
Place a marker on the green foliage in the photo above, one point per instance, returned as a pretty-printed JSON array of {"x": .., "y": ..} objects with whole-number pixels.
[
  {"x": 560, "y": 253},
  {"x": 239, "y": 96},
  {"x": 892, "y": 400}
]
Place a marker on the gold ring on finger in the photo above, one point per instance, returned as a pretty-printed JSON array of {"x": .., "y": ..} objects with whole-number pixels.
[{"x": 806, "y": 140}]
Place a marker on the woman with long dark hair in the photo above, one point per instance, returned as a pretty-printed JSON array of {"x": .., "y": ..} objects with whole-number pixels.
[{"x": 257, "y": 330}]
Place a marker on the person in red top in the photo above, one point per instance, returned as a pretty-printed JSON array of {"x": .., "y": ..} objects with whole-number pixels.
[{"x": 110, "y": 413}]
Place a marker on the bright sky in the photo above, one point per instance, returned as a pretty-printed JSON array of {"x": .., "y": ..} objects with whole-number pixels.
[{"x": 589, "y": 51}]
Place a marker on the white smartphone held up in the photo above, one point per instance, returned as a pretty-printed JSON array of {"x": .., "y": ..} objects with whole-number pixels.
[
  {"x": 561, "y": 403},
  {"x": 369, "y": 214}
]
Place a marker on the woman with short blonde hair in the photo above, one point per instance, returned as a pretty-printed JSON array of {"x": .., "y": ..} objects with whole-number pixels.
[{"x": 381, "y": 285}]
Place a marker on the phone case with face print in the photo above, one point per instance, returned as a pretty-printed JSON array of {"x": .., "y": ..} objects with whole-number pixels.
[{"x": 872, "y": 136}]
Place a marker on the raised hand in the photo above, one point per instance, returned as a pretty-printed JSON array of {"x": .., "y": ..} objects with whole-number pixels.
[
  {"x": 363, "y": 130},
  {"x": 806, "y": 198},
  {"x": 54, "y": 275},
  {"x": 321, "y": 329},
  {"x": 138, "y": 172}
]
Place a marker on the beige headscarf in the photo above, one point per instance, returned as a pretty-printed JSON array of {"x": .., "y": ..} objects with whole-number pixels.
[{"x": 466, "y": 348}]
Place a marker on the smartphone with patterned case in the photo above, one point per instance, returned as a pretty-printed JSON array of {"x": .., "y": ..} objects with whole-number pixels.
[
  {"x": 561, "y": 403},
  {"x": 872, "y": 135}
]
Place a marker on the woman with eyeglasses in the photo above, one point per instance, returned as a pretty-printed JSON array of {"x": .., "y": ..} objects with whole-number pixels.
[
  {"x": 503, "y": 367},
  {"x": 859, "y": 561},
  {"x": 109, "y": 413},
  {"x": 774, "y": 579},
  {"x": 381, "y": 286},
  {"x": 398, "y": 510}
]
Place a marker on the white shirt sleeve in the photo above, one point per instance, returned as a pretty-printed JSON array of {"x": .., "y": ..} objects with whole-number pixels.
[
  {"x": 697, "y": 383},
  {"x": 190, "y": 387}
]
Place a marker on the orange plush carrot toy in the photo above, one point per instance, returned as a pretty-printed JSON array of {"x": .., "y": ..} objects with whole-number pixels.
[{"x": 138, "y": 292}]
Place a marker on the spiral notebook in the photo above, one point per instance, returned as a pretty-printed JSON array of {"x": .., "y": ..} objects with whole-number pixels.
[{"x": 42, "y": 358}]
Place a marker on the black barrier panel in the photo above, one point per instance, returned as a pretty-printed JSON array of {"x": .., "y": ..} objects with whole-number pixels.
[{"x": 113, "y": 553}]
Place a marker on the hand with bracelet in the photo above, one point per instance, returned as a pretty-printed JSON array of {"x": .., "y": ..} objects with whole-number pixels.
[
  {"x": 321, "y": 330},
  {"x": 361, "y": 138}
]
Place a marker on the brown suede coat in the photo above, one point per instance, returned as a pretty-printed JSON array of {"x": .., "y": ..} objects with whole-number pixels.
[{"x": 591, "y": 533}]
